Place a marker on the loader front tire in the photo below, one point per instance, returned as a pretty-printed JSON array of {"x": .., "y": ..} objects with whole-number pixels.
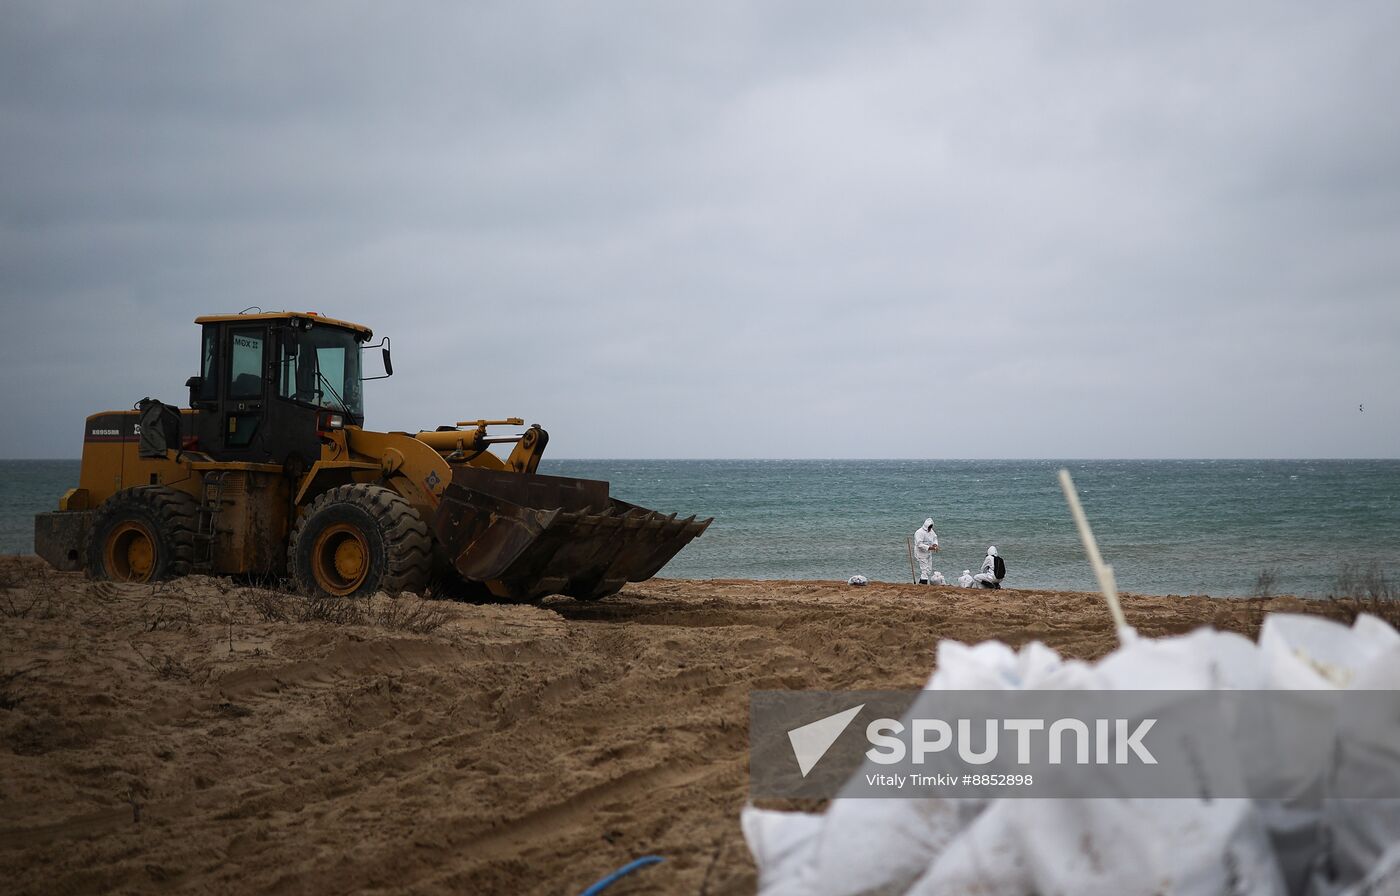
[
  {"x": 357, "y": 540},
  {"x": 143, "y": 534}
]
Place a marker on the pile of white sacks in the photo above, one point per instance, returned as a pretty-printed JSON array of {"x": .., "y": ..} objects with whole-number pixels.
[{"x": 1082, "y": 847}]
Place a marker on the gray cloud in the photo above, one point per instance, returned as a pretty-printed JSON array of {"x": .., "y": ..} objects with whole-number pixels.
[{"x": 727, "y": 229}]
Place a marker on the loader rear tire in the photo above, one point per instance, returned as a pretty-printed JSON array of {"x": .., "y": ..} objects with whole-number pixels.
[
  {"x": 143, "y": 534},
  {"x": 358, "y": 540}
]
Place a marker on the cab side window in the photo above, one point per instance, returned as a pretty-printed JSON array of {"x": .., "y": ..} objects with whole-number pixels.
[
  {"x": 297, "y": 371},
  {"x": 208, "y": 355},
  {"x": 246, "y": 363}
]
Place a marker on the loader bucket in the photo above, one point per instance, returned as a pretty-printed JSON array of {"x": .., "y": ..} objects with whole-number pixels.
[{"x": 524, "y": 535}]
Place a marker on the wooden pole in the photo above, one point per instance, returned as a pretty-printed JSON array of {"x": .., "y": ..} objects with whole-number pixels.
[{"x": 1102, "y": 570}]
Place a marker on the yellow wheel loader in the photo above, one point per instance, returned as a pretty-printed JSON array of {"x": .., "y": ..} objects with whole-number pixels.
[{"x": 270, "y": 473}]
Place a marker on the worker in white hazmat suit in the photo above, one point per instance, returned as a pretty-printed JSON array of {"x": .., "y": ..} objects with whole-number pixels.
[
  {"x": 925, "y": 545},
  {"x": 993, "y": 570},
  {"x": 965, "y": 580}
]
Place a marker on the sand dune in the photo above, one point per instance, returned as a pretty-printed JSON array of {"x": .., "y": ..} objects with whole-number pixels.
[{"x": 204, "y": 736}]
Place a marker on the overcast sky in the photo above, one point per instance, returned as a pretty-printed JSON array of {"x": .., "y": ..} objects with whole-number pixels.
[{"x": 726, "y": 229}]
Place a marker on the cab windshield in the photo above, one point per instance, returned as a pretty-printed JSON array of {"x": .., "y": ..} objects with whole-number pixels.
[{"x": 321, "y": 366}]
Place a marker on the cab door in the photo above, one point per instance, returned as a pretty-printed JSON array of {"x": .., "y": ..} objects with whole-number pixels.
[{"x": 244, "y": 396}]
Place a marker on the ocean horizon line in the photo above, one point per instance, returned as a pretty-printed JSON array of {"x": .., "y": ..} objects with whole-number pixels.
[{"x": 1019, "y": 460}]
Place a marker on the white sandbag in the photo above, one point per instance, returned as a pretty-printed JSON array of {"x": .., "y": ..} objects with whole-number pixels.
[
  {"x": 1205, "y": 659},
  {"x": 872, "y": 847},
  {"x": 1018, "y": 847},
  {"x": 993, "y": 666},
  {"x": 1123, "y": 847},
  {"x": 985, "y": 859},
  {"x": 1362, "y": 837},
  {"x": 1108, "y": 848},
  {"x": 990, "y": 665},
  {"x": 1295, "y": 832},
  {"x": 781, "y": 844},
  {"x": 1312, "y": 653},
  {"x": 1380, "y": 669},
  {"x": 878, "y": 848},
  {"x": 1359, "y": 831},
  {"x": 883, "y": 845},
  {"x": 1383, "y": 878},
  {"x": 1302, "y": 653}
]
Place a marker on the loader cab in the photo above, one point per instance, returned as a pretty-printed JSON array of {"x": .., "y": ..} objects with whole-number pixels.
[{"x": 271, "y": 384}]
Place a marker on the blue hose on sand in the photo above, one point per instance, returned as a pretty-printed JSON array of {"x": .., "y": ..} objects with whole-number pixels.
[{"x": 620, "y": 873}]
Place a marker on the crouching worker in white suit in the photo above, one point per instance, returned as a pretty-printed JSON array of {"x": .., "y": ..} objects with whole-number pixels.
[
  {"x": 925, "y": 545},
  {"x": 993, "y": 570}
]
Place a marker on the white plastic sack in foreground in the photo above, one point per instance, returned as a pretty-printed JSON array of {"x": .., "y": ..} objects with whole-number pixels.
[
  {"x": 1022, "y": 848},
  {"x": 1334, "y": 846},
  {"x": 878, "y": 846},
  {"x": 1124, "y": 846},
  {"x": 1116, "y": 846},
  {"x": 1309, "y": 652},
  {"x": 782, "y": 844},
  {"x": 1108, "y": 847},
  {"x": 1384, "y": 878},
  {"x": 1204, "y": 659}
]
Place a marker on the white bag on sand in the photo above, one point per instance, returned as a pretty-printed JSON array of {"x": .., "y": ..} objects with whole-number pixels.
[
  {"x": 877, "y": 846},
  {"x": 1340, "y": 842},
  {"x": 1303, "y": 845},
  {"x": 1105, "y": 846},
  {"x": 782, "y": 844},
  {"x": 1384, "y": 877},
  {"x": 1360, "y": 831},
  {"x": 1312, "y": 653},
  {"x": 1108, "y": 847},
  {"x": 993, "y": 666},
  {"x": 1176, "y": 846},
  {"x": 1381, "y": 669},
  {"x": 985, "y": 859},
  {"x": 883, "y": 845},
  {"x": 1205, "y": 659}
]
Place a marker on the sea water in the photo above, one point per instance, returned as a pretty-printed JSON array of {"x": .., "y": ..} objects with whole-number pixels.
[{"x": 1167, "y": 527}]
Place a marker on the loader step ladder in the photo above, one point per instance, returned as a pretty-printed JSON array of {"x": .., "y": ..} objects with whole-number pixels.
[{"x": 206, "y": 524}]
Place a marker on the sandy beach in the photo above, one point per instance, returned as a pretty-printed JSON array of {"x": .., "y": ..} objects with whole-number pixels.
[{"x": 203, "y": 736}]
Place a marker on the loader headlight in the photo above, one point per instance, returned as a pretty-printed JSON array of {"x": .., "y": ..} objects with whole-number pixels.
[{"x": 326, "y": 422}]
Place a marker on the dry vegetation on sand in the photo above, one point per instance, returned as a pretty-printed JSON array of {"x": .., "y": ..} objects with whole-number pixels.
[{"x": 203, "y": 736}]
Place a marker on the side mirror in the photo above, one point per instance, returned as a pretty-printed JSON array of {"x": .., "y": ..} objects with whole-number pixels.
[
  {"x": 196, "y": 386},
  {"x": 289, "y": 343},
  {"x": 383, "y": 346}
]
